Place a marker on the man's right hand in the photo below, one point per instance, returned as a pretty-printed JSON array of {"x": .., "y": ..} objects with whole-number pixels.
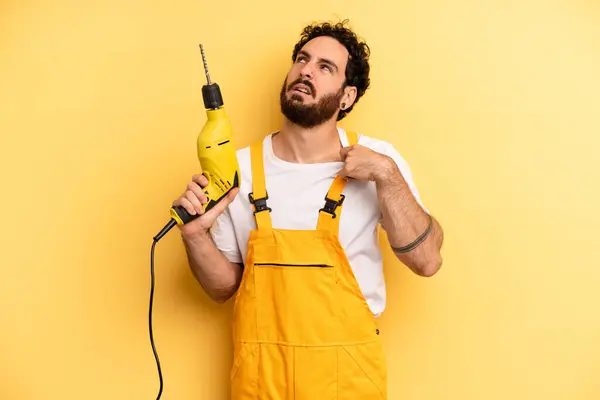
[{"x": 193, "y": 199}]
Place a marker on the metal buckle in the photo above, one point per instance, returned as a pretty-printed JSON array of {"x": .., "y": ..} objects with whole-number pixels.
[
  {"x": 259, "y": 204},
  {"x": 332, "y": 205}
]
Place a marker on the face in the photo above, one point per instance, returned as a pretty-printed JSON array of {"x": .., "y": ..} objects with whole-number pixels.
[{"x": 314, "y": 91}]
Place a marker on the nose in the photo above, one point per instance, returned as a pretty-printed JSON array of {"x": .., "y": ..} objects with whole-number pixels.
[{"x": 306, "y": 71}]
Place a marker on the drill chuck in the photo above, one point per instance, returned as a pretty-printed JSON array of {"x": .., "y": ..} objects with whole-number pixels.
[{"x": 211, "y": 94}]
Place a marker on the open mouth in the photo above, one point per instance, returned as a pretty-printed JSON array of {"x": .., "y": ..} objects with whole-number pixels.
[{"x": 301, "y": 89}]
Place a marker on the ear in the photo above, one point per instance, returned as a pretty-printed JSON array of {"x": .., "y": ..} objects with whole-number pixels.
[{"x": 348, "y": 97}]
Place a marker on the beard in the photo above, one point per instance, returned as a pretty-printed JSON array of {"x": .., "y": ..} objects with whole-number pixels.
[{"x": 308, "y": 115}]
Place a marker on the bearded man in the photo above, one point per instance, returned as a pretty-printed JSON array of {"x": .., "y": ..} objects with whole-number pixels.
[{"x": 307, "y": 278}]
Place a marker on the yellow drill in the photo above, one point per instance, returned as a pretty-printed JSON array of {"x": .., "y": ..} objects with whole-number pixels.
[
  {"x": 219, "y": 164},
  {"x": 216, "y": 153}
]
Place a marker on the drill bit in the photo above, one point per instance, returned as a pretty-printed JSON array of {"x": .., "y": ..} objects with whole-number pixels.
[{"x": 205, "y": 65}]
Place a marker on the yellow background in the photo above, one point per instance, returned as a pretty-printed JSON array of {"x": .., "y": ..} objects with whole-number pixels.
[{"x": 495, "y": 104}]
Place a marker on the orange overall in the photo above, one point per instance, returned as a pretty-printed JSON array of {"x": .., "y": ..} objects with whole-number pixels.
[{"x": 302, "y": 329}]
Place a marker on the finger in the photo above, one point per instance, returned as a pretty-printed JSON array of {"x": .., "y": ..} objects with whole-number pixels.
[
  {"x": 197, "y": 190},
  {"x": 185, "y": 203},
  {"x": 229, "y": 198},
  {"x": 200, "y": 180},
  {"x": 225, "y": 201},
  {"x": 191, "y": 197}
]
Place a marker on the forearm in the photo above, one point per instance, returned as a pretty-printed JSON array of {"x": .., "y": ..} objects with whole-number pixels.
[
  {"x": 216, "y": 274},
  {"x": 405, "y": 220}
]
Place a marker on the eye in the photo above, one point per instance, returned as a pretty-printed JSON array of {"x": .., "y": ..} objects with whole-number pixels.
[{"x": 326, "y": 67}]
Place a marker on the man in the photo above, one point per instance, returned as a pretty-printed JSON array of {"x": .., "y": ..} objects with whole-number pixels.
[{"x": 299, "y": 247}]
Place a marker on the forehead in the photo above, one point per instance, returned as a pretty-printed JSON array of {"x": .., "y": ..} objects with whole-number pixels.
[{"x": 328, "y": 48}]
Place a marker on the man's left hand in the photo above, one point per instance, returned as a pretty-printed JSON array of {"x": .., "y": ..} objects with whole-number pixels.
[{"x": 364, "y": 164}]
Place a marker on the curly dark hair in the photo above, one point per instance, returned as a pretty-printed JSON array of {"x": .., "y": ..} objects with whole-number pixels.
[{"x": 357, "y": 68}]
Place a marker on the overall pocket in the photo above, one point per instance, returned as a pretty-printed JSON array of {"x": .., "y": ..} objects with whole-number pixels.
[{"x": 296, "y": 302}]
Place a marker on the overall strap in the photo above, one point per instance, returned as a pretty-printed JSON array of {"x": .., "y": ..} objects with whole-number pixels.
[
  {"x": 258, "y": 197},
  {"x": 329, "y": 215}
]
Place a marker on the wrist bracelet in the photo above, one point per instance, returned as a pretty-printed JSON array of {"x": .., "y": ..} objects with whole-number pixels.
[{"x": 418, "y": 241}]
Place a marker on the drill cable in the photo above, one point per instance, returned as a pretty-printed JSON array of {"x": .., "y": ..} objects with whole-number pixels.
[{"x": 160, "y": 390}]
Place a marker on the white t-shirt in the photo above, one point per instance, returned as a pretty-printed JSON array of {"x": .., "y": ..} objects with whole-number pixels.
[{"x": 296, "y": 193}]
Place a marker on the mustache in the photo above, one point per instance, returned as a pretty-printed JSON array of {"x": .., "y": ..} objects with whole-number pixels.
[{"x": 304, "y": 82}]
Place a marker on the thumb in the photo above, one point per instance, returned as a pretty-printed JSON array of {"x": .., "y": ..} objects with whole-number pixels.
[
  {"x": 223, "y": 203},
  {"x": 344, "y": 152}
]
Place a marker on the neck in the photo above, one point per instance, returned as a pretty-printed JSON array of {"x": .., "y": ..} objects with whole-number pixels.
[{"x": 296, "y": 144}]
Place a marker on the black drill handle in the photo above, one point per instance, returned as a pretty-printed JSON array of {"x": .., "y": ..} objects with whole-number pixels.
[
  {"x": 184, "y": 215},
  {"x": 187, "y": 217}
]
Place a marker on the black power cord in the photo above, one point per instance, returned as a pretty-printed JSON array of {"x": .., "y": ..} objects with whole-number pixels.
[
  {"x": 160, "y": 390},
  {"x": 160, "y": 234}
]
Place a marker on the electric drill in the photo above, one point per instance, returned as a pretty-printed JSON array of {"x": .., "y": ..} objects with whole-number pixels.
[
  {"x": 219, "y": 164},
  {"x": 216, "y": 153}
]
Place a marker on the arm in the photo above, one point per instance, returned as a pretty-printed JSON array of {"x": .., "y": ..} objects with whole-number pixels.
[
  {"x": 218, "y": 276},
  {"x": 403, "y": 217},
  {"x": 405, "y": 221}
]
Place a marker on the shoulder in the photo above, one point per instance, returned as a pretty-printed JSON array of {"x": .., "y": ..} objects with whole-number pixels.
[
  {"x": 388, "y": 149},
  {"x": 376, "y": 144},
  {"x": 384, "y": 147},
  {"x": 244, "y": 159},
  {"x": 244, "y": 154}
]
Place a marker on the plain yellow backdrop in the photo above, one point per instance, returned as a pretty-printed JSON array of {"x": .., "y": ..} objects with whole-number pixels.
[{"x": 495, "y": 104}]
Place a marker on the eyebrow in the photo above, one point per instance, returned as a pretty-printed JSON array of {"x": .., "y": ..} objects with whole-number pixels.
[{"x": 323, "y": 60}]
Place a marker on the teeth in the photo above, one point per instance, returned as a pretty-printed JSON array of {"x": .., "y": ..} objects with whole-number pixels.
[{"x": 302, "y": 90}]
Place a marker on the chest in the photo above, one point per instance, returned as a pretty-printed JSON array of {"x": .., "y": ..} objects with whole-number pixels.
[{"x": 295, "y": 200}]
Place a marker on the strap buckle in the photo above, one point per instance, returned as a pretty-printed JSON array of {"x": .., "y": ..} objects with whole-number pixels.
[
  {"x": 332, "y": 205},
  {"x": 259, "y": 204}
]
